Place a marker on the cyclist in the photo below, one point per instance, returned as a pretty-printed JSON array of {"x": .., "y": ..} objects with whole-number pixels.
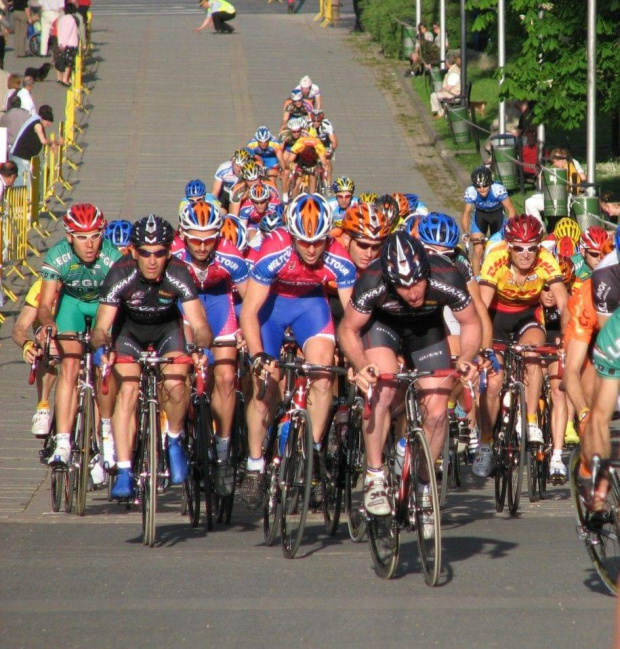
[
  {"x": 593, "y": 241},
  {"x": 325, "y": 133},
  {"x": 511, "y": 282},
  {"x": 195, "y": 190},
  {"x": 267, "y": 151},
  {"x": 304, "y": 157},
  {"x": 138, "y": 306},
  {"x": 344, "y": 189},
  {"x": 295, "y": 107},
  {"x": 251, "y": 174},
  {"x": 606, "y": 284},
  {"x": 489, "y": 204},
  {"x": 73, "y": 271},
  {"x": 261, "y": 201},
  {"x": 310, "y": 91},
  {"x": 388, "y": 206},
  {"x": 286, "y": 289},
  {"x": 397, "y": 302},
  {"x": 215, "y": 265},
  {"x": 268, "y": 223},
  {"x": 227, "y": 176}
]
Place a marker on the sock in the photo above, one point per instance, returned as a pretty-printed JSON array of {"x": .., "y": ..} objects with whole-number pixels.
[
  {"x": 557, "y": 454},
  {"x": 43, "y": 405},
  {"x": 124, "y": 465},
  {"x": 178, "y": 435},
  {"x": 532, "y": 419},
  {"x": 373, "y": 473},
  {"x": 256, "y": 464},
  {"x": 451, "y": 405},
  {"x": 63, "y": 439},
  {"x": 106, "y": 427},
  {"x": 316, "y": 446},
  {"x": 222, "y": 444}
]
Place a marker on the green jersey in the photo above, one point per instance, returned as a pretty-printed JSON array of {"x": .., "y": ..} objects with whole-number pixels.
[
  {"x": 81, "y": 281},
  {"x": 582, "y": 270}
]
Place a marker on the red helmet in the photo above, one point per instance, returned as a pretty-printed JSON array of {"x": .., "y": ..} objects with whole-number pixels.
[
  {"x": 594, "y": 237},
  {"x": 364, "y": 221},
  {"x": 523, "y": 228},
  {"x": 83, "y": 217},
  {"x": 565, "y": 247},
  {"x": 568, "y": 270}
]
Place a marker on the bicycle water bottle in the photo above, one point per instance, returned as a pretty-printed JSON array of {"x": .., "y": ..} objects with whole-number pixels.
[
  {"x": 342, "y": 420},
  {"x": 283, "y": 428},
  {"x": 400, "y": 456}
]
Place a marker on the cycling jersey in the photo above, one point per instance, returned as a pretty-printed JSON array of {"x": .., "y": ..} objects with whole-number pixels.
[
  {"x": 338, "y": 211},
  {"x": 582, "y": 270},
  {"x": 251, "y": 217},
  {"x": 303, "y": 110},
  {"x": 81, "y": 281},
  {"x": 34, "y": 294},
  {"x": 606, "y": 353},
  {"x": 324, "y": 132},
  {"x": 308, "y": 142},
  {"x": 226, "y": 174},
  {"x": 267, "y": 154},
  {"x": 143, "y": 301},
  {"x": 582, "y": 323},
  {"x": 279, "y": 266},
  {"x": 606, "y": 284},
  {"x": 512, "y": 295},
  {"x": 496, "y": 195},
  {"x": 239, "y": 193},
  {"x": 313, "y": 93}
]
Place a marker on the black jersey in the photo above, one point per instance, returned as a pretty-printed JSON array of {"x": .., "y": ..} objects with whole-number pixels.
[
  {"x": 143, "y": 301},
  {"x": 446, "y": 287},
  {"x": 606, "y": 284}
]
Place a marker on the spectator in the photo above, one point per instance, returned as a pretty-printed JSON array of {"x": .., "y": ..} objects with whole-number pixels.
[
  {"x": 451, "y": 86},
  {"x": 425, "y": 53},
  {"x": 68, "y": 42},
  {"x": 83, "y": 8},
  {"x": 14, "y": 83},
  {"x": 21, "y": 17},
  {"x": 14, "y": 118},
  {"x": 5, "y": 27},
  {"x": 219, "y": 12},
  {"x": 610, "y": 205},
  {"x": 51, "y": 10},
  {"x": 514, "y": 112},
  {"x": 437, "y": 34},
  {"x": 25, "y": 95}
]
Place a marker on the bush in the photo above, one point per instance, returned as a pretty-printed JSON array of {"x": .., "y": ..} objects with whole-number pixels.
[{"x": 378, "y": 19}]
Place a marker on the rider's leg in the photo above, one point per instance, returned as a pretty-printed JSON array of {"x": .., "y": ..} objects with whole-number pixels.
[
  {"x": 559, "y": 409},
  {"x": 478, "y": 251},
  {"x": 127, "y": 377},
  {"x": 66, "y": 395},
  {"x": 533, "y": 371},
  {"x": 223, "y": 399},
  {"x": 175, "y": 395},
  {"x": 434, "y": 393},
  {"x": 319, "y": 350}
]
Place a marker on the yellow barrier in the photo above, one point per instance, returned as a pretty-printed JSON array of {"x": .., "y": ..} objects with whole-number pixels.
[
  {"x": 326, "y": 13},
  {"x": 16, "y": 218}
]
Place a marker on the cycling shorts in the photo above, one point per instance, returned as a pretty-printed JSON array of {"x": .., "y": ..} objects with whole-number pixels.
[
  {"x": 509, "y": 327},
  {"x": 308, "y": 316},
  {"x": 490, "y": 221},
  {"x": 270, "y": 162},
  {"x": 133, "y": 338},
  {"x": 220, "y": 309},
  {"x": 71, "y": 312},
  {"x": 423, "y": 344}
]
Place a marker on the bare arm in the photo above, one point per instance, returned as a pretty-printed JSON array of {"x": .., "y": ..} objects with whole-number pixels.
[
  {"x": 350, "y": 339},
  {"x": 576, "y": 354},
  {"x": 470, "y": 337},
  {"x": 45, "y": 312},
  {"x": 558, "y": 290},
  {"x": 23, "y": 323},
  {"x": 106, "y": 314},
  {"x": 487, "y": 293},
  {"x": 241, "y": 288},
  {"x": 509, "y": 207},
  {"x": 466, "y": 217},
  {"x": 255, "y": 296},
  {"x": 207, "y": 21},
  {"x": 345, "y": 295},
  {"x": 217, "y": 187},
  {"x": 195, "y": 314},
  {"x": 483, "y": 314}
]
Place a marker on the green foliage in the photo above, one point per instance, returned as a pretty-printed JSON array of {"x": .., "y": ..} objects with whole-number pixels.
[{"x": 378, "y": 19}]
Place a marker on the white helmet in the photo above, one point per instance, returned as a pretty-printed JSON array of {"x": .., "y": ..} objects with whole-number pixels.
[{"x": 305, "y": 83}]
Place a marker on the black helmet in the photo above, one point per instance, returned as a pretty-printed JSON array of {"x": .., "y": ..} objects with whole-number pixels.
[
  {"x": 404, "y": 261},
  {"x": 481, "y": 177},
  {"x": 151, "y": 230}
]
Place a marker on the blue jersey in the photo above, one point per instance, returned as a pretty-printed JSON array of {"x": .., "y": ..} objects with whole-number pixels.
[
  {"x": 497, "y": 194},
  {"x": 268, "y": 154},
  {"x": 338, "y": 211}
]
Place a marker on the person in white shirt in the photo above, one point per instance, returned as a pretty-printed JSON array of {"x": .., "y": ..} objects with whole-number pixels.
[
  {"x": 451, "y": 85},
  {"x": 50, "y": 11},
  {"x": 25, "y": 95}
]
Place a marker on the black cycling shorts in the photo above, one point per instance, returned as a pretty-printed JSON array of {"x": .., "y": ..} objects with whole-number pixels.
[
  {"x": 489, "y": 221},
  {"x": 509, "y": 327},
  {"x": 133, "y": 338},
  {"x": 423, "y": 347}
]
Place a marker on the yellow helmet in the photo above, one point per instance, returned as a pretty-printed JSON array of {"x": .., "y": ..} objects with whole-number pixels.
[{"x": 567, "y": 228}]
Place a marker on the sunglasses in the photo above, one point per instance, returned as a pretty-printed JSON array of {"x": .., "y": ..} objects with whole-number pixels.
[
  {"x": 95, "y": 236},
  {"x": 593, "y": 253},
  {"x": 368, "y": 246},
  {"x": 197, "y": 241},
  {"x": 481, "y": 186},
  {"x": 158, "y": 254},
  {"x": 261, "y": 202},
  {"x": 308, "y": 244},
  {"x": 531, "y": 249},
  {"x": 546, "y": 288}
]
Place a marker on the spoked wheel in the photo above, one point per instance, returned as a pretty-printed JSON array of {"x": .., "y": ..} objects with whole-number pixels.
[
  {"x": 517, "y": 451},
  {"x": 191, "y": 490},
  {"x": 442, "y": 471},
  {"x": 355, "y": 467},
  {"x": 296, "y": 482},
  {"x": 71, "y": 477},
  {"x": 500, "y": 450},
  {"x": 332, "y": 487},
  {"x": 543, "y": 474},
  {"x": 149, "y": 499},
  {"x": 426, "y": 513},
  {"x": 203, "y": 433},
  {"x": 84, "y": 439},
  {"x": 384, "y": 537},
  {"x": 533, "y": 469},
  {"x": 600, "y": 531},
  {"x": 272, "y": 504},
  {"x": 58, "y": 478}
]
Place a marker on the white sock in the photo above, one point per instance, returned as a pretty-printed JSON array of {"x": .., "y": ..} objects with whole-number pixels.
[
  {"x": 256, "y": 464},
  {"x": 178, "y": 435},
  {"x": 557, "y": 454},
  {"x": 63, "y": 439},
  {"x": 222, "y": 444},
  {"x": 124, "y": 465}
]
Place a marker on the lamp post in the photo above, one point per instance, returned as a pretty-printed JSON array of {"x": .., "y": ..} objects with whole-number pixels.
[
  {"x": 591, "y": 97},
  {"x": 501, "y": 59},
  {"x": 463, "y": 47}
]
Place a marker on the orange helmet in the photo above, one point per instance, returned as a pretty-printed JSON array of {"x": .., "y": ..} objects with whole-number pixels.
[
  {"x": 309, "y": 217},
  {"x": 235, "y": 231},
  {"x": 568, "y": 270},
  {"x": 364, "y": 221},
  {"x": 403, "y": 205}
]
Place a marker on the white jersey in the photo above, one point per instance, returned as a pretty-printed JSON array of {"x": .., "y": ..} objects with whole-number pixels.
[{"x": 226, "y": 175}]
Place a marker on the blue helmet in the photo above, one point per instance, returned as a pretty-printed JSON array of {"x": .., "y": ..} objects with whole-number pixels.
[
  {"x": 439, "y": 230},
  {"x": 118, "y": 233},
  {"x": 195, "y": 190},
  {"x": 274, "y": 218},
  {"x": 263, "y": 134},
  {"x": 297, "y": 95},
  {"x": 413, "y": 200},
  {"x": 617, "y": 240}
]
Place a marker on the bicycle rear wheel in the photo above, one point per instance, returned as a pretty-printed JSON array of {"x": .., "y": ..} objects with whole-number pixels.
[
  {"x": 149, "y": 500},
  {"x": 426, "y": 516},
  {"x": 296, "y": 482},
  {"x": 191, "y": 488},
  {"x": 332, "y": 487},
  {"x": 83, "y": 439},
  {"x": 57, "y": 483},
  {"x": 355, "y": 467},
  {"x": 70, "y": 488},
  {"x": 600, "y": 531},
  {"x": 517, "y": 450},
  {"x": 500, "y": 451}
]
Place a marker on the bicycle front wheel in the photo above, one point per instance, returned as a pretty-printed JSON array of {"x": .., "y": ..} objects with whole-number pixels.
[
  {"x": 296, "y": 482},
  {"x": 384, "y": 538},
  {"x": 58, "y": 479},
  {"x": 425, "y": 499},
  {"x": 517, "y": 450},
  {"x": 149, "y": 499},
  {"x": 332, "y": 487},
  {"x": 600, "y": 531},
  {"x": 84, "y": 438},
  {"x": 355, "y": 467}
]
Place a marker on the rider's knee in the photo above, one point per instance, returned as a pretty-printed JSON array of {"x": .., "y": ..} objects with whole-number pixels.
[{"x": 224, "y": 378}]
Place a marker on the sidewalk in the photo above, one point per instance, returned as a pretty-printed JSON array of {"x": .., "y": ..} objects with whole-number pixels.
[{"x": 169, "y": 105}]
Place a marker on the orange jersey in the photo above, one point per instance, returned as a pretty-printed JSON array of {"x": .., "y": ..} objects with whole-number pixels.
[{"x": 583, "y": 323}]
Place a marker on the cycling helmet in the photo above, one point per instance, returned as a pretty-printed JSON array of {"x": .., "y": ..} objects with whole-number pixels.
[
  {"x": 272, "y": 219},
  {"x": 410, "y": 225},
  {"x": 608, "y": 246},
  {"x": 309, "y": 217},
  {"x": 151, "y": 230},
  {"x": 413, "y": 200},
  {"x": 404, "y": 262},
  {"x": 567, "y": 228},
  {"x": 251, "y": 171},
  {"x": 263, "y": 134},
  {"x": 368, "y": 197},
  {"x": 297, "y": 95},
  {"x": 523, "y": 228},
  {"x": 118, "y": 233},
  {"x": 565, "y": 247},
  {"x": 388, "y": 207},
  {"x": 259, "y": 192},
  {"x": 438, "y": 229},
  {"x": 194, "y": 190},
  {"x": 235, "y": 231},
  {"x": 201, "y": 216},
  {"x": 296, "y": 123},
  {"x": 364, "y": 221},
  {"x": 568, "y": 270},
  {"x": 343, "y": 184},
  {"x": 305, "y": 83},
  {"x": 481, "y": 177},
  {"x": 318, "y": 115},
  {"x": 241, "y": 156},
  {"x": 403, "y": 204},
  {"x": 593, "y": 238},
  {"x": 83, "y": 217}
]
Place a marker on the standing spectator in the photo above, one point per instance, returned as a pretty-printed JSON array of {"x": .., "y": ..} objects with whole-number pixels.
[
  {"x": 5, "y": 27},
  {"x": 219, "y": 12},
  {"x": 451, "y": 86},
  {"x": 25, "y": 95},
  {"x": 21, "y": 17},
  {"x": 14, "y": 118},
  {"x": 51, "y": 10},
  {"x": 437, "y": 34},
  {"x": 68, "y": 42},
  {"x": 13, "y": 84},
  {"x": 610, "y": 205},
  {"x": 83, "y": 8}
]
